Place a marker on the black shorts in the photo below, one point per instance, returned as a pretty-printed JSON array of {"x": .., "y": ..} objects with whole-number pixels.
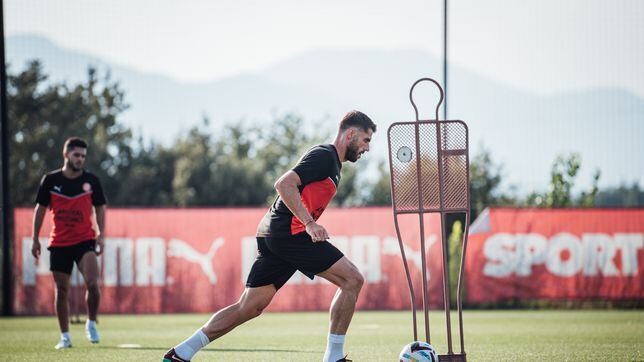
[
  {"x": 280, "y": 257},
  {"x": 62, "y": 258}
]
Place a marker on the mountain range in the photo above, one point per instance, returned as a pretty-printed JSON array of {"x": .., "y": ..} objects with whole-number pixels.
[{"x": 524, "y": 131}]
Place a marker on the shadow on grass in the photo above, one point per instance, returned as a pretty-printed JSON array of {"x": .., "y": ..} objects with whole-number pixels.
[{"x": 164, "y": 349}]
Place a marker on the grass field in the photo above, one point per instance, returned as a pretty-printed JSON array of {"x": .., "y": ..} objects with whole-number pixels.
[{"x": 590, "y": 335}]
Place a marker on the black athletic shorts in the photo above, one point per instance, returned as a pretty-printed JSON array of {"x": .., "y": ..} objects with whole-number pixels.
[
  {"x": 280, "y": 257},
  {"x": 62, "y": 258}
]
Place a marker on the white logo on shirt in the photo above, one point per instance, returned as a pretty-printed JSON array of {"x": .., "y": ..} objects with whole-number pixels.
[{"x": 58, "y": 188}]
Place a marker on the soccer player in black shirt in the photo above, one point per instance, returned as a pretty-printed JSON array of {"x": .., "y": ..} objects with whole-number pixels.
[
  {"x": 289, "y": 239},
  {"x": 72, "y": 194}
]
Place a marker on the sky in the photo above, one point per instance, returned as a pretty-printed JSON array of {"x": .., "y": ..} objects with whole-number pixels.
[{"x": 543, "y": 46}]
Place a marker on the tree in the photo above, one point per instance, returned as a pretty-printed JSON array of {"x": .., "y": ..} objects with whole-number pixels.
[
  {"x": 379, "y": 192},
  {"x": 622, "y": 196},
  {"x": 562, "y": 179},
  {"x": 347, "y": 193},
  {"x": 485, "y": 178},
  {"x": 587, "y": 198},
  {"x": 240, "y": 166},
  {"x": 279, "y": 145},
  {"x": 237, "y": 166},
  {"x": 148, "y": 181},
  {"x": 42, "y": 116},
  {"x": 202, "y": 170}
]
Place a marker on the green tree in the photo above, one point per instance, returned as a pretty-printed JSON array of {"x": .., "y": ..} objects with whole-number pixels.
[
  {"x": 212, "y": 171},
  {"x": 485, "y": 178},
  {"x": 279, "y": 145},
  {"x": 240, "y": 165},
  {"x": 150, "y": 176},
  {"x": 347, "y": 194},
  {"x": 237, "y": 166},
  {"x": 621, "y": 196},
  {"x": 562, "y": 180},
  {"x": 587, "y": 198},
  {"x": 42, "y": 116},
  {"x": 379, "y": 191}
]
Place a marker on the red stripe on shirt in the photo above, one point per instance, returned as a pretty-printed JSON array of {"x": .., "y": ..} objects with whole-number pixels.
[
  {"x": 315, "y": 197},
  {"x": 72, "y": 219}
]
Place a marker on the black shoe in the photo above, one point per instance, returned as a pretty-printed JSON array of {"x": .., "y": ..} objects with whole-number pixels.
[
  {"x": 344, "y": 359},
  {"x": 171, "y": 356}
]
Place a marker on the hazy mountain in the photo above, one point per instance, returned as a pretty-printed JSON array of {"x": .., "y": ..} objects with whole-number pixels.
[
  {"x": 161, "y": 106},
  {"x": 525, "y": 131}
]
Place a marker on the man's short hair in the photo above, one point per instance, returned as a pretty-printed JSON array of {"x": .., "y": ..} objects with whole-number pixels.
[
  {"x": 73, "y": 142},
  {"x": 357, "y": 119}
]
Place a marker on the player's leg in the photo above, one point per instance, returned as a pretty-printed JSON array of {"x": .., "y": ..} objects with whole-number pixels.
[
  {"x": 88, "y": 266},
  {"x": 61, "y": 263},
  {"x": 349, "y": 280},
  {"x": 266, "y": 276},
  {"x": 325, "y": 260},
  {"x": 62, "y": 299},
  {"x": 250, "y": 305}
]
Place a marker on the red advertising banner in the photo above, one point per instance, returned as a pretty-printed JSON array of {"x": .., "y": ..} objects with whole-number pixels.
[
  {"x": 561, "y": 254},
  {"x": 197, "y": 260}
]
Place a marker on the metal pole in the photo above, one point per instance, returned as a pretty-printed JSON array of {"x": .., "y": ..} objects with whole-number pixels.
[
  {"x": 7, "y": 275},
  {"x": 445, "y": 57},
  {"x": 423, "y": 261}
]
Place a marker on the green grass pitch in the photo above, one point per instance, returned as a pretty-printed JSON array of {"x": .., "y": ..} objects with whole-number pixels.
[{"x": 562, "y": 335}]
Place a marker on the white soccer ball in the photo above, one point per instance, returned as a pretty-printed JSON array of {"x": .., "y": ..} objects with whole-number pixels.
[{"x": 418, "y": 352}]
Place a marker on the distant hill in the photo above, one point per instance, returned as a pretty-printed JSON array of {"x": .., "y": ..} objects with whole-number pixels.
[{"x": 525, "y": 131}]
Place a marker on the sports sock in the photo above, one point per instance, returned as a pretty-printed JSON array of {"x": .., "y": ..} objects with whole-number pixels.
[
  {"x": 65, "y": 335},
  {"x": 192, "y": 345},
  {"x": 90, "y": 323},
  {"x": 334, "y": 348}
]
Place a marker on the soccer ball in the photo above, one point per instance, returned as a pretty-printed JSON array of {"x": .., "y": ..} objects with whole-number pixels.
[{"x": 418, "y": 352}]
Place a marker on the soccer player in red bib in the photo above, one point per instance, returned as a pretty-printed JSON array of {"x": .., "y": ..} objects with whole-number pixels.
[
  {"x": 73, "y": 195},
  {"x": 290, "y": 239}
]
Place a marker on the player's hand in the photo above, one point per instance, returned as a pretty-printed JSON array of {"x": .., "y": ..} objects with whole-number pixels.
[
  {"x": 35, "y": 248},
  {"x": 318, "y": 232},
  {"x": 100, "y": 244}
]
